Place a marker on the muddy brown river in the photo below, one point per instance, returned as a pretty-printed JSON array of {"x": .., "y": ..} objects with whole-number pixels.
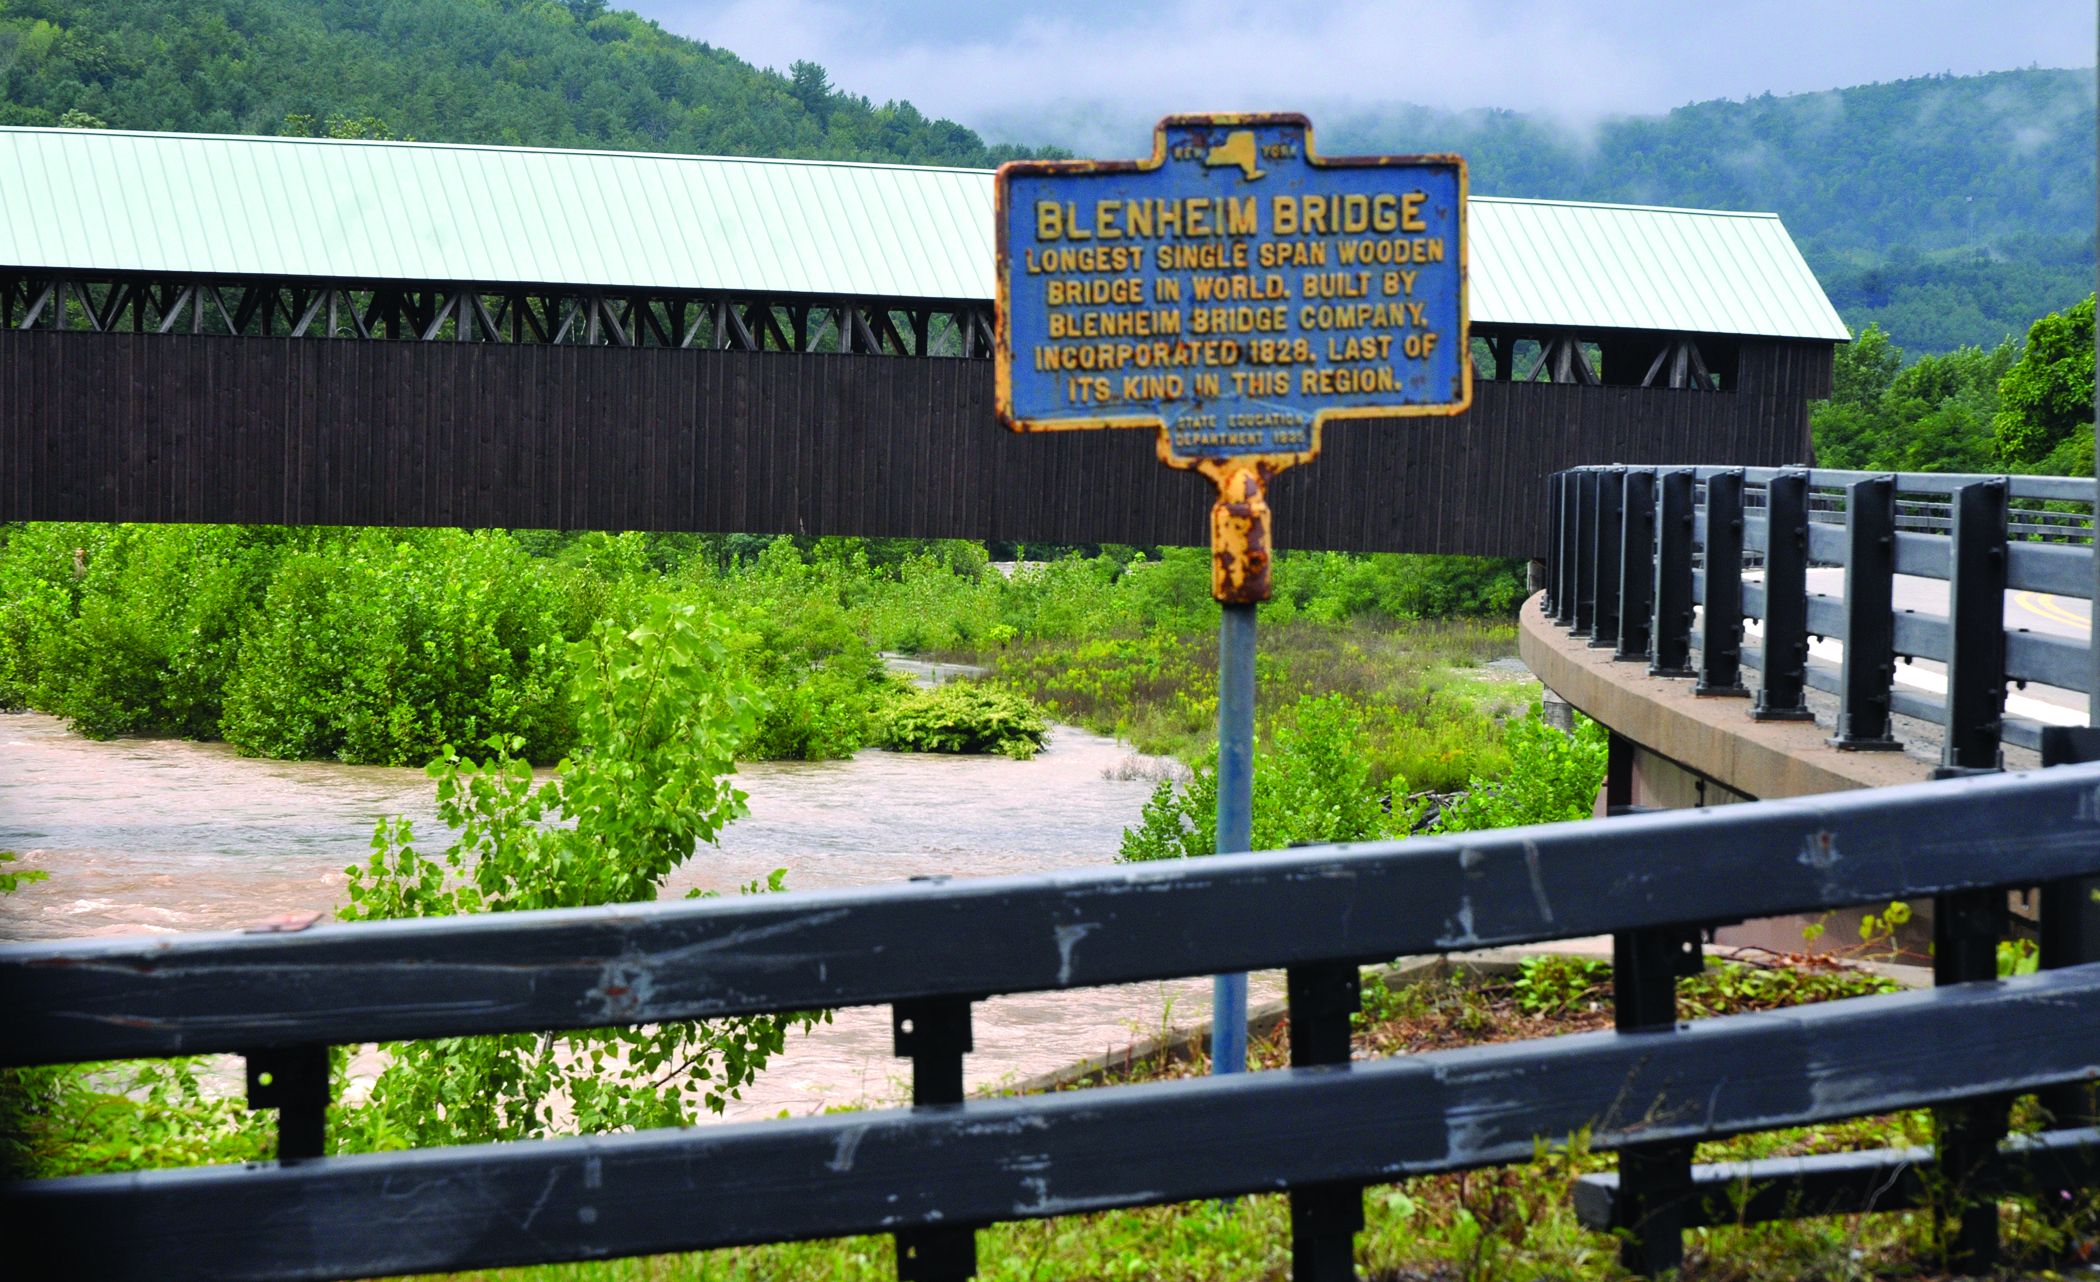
[{"x": 153, "y": 835}]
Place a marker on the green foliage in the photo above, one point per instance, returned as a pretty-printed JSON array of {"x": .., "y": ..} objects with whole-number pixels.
[
  {"x": 13, "y": 879},
  {"x": 1881, "y": 928},
  {"x": 527, "y": 72},
  {"x": 94, "y": 1119},
  {"x": 965, "y": 716},
  {"x": 128, "y": 629},
  {"x": 660, "y": 709},
  {"x": 1949, "y": 210},
  {"x": 825, "y": 685},
  {"x": 1977, "y": 294},
  {"x": 1552, "y": 777},
  {"x": 1557, "y": 984},
  {"x": 382, "y": 647},
  {"x": 1311, "y": 784},
  {"x": 1334, "y": 587},
  {"x": 1732, "y": 987},
  {"x": 1934, "y": 416},
  {"x": 2018, "y": 957},
  {"x": 2047, "y": 395}
]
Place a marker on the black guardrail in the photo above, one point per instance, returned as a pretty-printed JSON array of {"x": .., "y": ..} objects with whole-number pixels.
[
  {"x": 932, "y": 1173},
  {"x": 1660, "y": 562}
]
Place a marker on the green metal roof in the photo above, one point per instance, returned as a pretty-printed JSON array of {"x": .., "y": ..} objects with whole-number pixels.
[
  {"x": 213, "y": 204},
  {"x": 1582, "y": 266},
  {"x": 97, "y": 201}
]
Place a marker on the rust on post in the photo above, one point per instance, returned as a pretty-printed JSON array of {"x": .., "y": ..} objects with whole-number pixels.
[{"x": 1239, "y": 536}]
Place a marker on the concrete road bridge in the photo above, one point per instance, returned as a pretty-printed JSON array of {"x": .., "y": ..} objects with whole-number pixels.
[{"x": 1763, "y": 633}]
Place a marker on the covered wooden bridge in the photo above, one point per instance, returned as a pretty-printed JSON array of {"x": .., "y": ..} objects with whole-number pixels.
[{"x": 205, "y": 328}]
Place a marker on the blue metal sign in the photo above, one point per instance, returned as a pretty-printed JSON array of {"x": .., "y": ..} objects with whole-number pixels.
[{"x": 1235, "y": 291}]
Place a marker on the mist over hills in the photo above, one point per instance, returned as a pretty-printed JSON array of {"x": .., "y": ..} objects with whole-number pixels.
[{"x": 1949, "y": 209}]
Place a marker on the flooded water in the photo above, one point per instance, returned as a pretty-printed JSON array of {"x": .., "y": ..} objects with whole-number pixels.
[{"x": 165, "y": 835}]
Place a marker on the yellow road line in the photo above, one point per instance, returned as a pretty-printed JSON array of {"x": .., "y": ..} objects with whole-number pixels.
[{"x": 2049, "y": 607}]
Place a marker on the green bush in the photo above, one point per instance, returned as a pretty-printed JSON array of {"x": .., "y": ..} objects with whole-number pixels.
[
  {"x": 381, "y": 648},
  {"x": 1552, "y": 777},
  {"x": 825, "y": 686},
  {"x": 129, "y": 629},
  {"x": 1312, "y": 784},
  {"x": 965, "y": 717},
  {"x": 660, "y": 709}
]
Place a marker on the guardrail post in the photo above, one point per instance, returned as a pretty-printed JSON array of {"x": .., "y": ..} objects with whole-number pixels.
[
  {"x": 1966, "y": 928},
  {"x": 1976, "y": 631},
  {"x": 1554, "y": 484},
  {"x": 1636, "y": 565},
  {"x": 1611, "y": 497},
  {"x": 1721, "y": 657},
  {"x": 294, "y": 1081},
  {"x": 1870, "y": 623},
  {"x": 1781, "y": 686},
  {"x": 1655, "y": 1180},
  {"x": 1672, "y": 630},
  {"x": 934, "y": 1033},
  {"x": 1570, "y": 511},
  {"x": 2070, "y": 912},
  {"x": 1325, "y": 1218},
  {"x": 1585, "y": 550}
]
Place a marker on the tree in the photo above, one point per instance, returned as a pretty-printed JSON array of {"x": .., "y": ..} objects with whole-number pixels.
[
  {"x": 661, "y": 706},
  {"x": 811, "y": 86},
  {"x": 2047, "y": 396},
  {"x": 1864, "y": 368},
  {"x": 1849, "y": 427},
  {"x": 302, "y": 125}
]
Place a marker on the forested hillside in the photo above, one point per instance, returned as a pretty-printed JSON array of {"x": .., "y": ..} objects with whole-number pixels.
[
  {"x": 565, "y": 73},
  {"x": 1949, "y": 210}
]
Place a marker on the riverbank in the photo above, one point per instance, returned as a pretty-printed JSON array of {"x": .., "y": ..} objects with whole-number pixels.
[{"x": 164, "y": 835}]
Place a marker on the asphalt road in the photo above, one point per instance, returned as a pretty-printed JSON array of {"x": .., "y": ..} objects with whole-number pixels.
[{"x": 2032, "y": 611}]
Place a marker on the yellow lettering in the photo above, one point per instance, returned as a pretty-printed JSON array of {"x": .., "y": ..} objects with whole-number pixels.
[
  {"x": 1049, "y": 225},
  {"x": 1283, "y": 214},
  {"x": 1411, "y": 211}
]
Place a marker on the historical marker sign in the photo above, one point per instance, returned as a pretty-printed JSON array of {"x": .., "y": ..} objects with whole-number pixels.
[{"x": 1235, "y": 291}]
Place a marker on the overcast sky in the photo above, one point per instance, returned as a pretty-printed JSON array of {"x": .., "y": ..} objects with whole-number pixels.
[{"x": 1095, "y": 73}]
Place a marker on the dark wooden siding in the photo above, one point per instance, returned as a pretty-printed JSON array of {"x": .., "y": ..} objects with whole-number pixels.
[{"x": 120, "y": 427}]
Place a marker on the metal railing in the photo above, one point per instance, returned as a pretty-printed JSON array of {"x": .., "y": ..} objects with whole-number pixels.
[
  {"x": 1321, "y": 1130},
  {"x": 1652, "y": 562}
]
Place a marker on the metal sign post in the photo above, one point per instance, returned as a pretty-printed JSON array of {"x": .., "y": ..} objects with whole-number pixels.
[{"x": 1234, "y": 292}]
